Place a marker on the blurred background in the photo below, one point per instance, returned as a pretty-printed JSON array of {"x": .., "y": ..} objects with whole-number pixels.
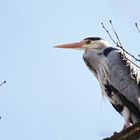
[{"x": 50, "y": 94}]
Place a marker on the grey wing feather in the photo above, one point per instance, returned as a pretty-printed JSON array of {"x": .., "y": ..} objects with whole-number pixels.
[{"x": 125, "y": 77}]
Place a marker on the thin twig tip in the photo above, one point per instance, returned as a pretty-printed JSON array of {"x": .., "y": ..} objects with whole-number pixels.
[{"x": 136, "y": 24}]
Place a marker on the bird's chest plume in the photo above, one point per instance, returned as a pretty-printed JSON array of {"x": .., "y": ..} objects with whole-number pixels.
[
  {"x": 97, "y": 64},
  {"x": 90, "y": 62},
  {"x": 92, "y": 59}
]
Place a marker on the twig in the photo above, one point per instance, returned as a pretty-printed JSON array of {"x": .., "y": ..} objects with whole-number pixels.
[
  {"x": 2, "y": 83},
  {"x": 136, "y": 24},
  {"x": 131, "y": 55},
  {"x": 108, "y": 33},
  {"x": 120, "y": 44}
]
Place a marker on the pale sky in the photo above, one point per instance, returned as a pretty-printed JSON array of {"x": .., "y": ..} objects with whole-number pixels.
[{"x": 50, "y": 94}]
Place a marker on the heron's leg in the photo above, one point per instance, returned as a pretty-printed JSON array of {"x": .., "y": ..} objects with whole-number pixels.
[
  {"x": 126, "y": 124},
  {"x": 126, "y": 115}
]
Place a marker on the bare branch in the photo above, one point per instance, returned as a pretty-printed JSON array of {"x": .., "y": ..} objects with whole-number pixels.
[
  {"x": 131, "y": 55},
  {"x": 136, "y": 24},
  {"x": 108, "y": 33},
  {"x": 4, "y": 82},
  {"x": 120, "y": 44},
  {"x": 131, "y": 133}
]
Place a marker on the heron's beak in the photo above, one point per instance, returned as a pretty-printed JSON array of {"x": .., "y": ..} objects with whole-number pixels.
[{"x": 71, "y": 46}]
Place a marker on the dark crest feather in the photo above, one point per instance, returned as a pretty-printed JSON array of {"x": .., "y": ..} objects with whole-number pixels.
[{"x": 93, "y": 38}]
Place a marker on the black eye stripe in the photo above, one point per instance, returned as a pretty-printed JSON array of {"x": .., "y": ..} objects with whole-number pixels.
[{"x": 93, "y": 38}]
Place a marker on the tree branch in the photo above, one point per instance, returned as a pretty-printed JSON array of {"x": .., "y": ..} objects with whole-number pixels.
[
  {"x": 131, "y": 133},
  {"x": 4, "y": 82},
  {"x": 136, "y": 24},
  {"x": 119, "y": 44}
]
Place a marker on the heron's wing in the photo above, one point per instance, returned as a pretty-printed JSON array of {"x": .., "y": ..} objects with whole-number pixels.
[{"x": 124, "y": 78}]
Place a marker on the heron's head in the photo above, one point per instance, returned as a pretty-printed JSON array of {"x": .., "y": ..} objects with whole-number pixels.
[
  {"x": 93, "y": 56},
  {"x": 88, "y": 43}
]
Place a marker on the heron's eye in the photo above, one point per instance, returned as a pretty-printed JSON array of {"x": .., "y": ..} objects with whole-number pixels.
[{"x": 88, "y": 41}]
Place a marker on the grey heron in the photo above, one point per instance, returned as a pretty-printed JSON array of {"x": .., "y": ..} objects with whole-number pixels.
[{"x": 119, "y": 79}]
